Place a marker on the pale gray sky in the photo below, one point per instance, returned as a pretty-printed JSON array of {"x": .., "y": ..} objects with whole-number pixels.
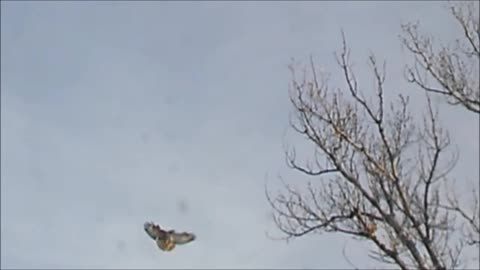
[{"x": 114, "y": 113}]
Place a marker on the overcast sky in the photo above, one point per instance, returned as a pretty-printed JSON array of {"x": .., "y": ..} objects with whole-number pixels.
[{"x": 115, "y": 113}]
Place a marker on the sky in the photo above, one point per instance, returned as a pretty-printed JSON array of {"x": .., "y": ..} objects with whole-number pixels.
[{"x": 117, "y": 113}]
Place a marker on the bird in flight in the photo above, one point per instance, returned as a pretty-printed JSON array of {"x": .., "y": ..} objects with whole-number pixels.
[{"x": 167, "y": 240}]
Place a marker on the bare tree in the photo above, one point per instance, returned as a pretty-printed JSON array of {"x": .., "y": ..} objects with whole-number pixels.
[
  {"x": 453, "y": 69},
  {"x": 454, "y": 72},
  {"x": 382, "y": 175}
]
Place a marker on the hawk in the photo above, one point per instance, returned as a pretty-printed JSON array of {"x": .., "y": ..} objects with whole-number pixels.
[{"x": 167, "y": 240}]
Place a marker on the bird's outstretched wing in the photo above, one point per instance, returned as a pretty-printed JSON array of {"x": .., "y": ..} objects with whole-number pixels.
[
  {"x": 154, "y": 231},
  {"x": 182, "y": 238}
]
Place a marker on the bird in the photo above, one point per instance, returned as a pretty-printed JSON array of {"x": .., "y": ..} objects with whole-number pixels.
[{"x": 167, "y": 240}]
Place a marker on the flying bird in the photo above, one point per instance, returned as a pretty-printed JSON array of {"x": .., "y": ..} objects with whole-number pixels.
[{"x": 167, "y": 240}]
